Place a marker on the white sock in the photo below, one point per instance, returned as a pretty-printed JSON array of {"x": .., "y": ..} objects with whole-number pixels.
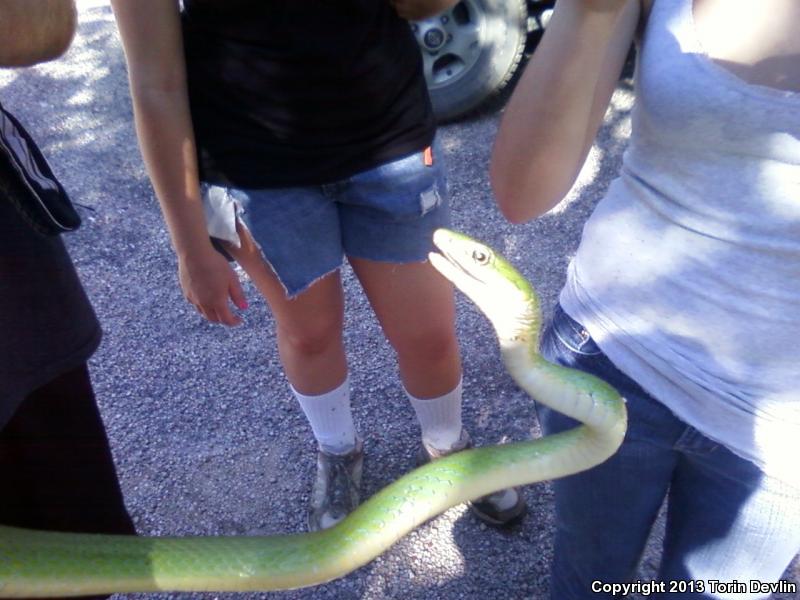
[
  {"x": 330, "y": 418},
  {"x": 439, "y": 418}
]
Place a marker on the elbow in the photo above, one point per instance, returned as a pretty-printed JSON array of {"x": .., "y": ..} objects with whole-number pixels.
[
  {"x": 29, "y": 56},
  {"x": 60, "y": 37},
  {"x": 58, "y": 48},
  {"x": 510, "y": 196},
  {"x": 525, "y": 203},
  {"x": 516, "y": 217},
  {"x": 42, "y": 45},
  {"x": 524, "y": 193},
  {"x": 63, "y": 45},
  {"x": 521, "y": 201},
  {"x": 64, "y": 37},
  {"x": 512, "y": 208}
]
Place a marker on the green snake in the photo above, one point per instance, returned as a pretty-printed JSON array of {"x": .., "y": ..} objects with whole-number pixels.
[{"x": 41, "y": 564}]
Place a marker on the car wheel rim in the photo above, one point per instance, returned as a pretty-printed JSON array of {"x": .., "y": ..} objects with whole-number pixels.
[{"x": 451, "y": 42}]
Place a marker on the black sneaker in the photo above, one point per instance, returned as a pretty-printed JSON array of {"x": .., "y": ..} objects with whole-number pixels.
[
  {"x": 500, "y": 509},
  {"x": 335, "y": 491}
]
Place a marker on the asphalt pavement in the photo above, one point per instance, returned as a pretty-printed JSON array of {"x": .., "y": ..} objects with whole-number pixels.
[{"x": 205, "y": 434}]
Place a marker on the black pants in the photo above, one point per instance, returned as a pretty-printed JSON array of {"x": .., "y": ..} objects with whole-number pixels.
[{"x": 55, "y": 463}]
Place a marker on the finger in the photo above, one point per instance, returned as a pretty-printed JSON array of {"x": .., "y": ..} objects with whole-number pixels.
[
  {"x": 237, "y": 294},
  {"x": 197, "y": 307},
  {"x": 209, "y": 314},
  {"x": 224, "y": 315}
]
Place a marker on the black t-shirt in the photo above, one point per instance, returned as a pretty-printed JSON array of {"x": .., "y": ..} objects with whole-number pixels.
[
  {"x": 301, "y": 92},
  {"x": 47, "y": 325}
]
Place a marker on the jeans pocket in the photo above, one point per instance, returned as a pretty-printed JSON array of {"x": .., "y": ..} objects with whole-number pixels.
[
  {"x": 572, "y": 335},
  {"x": 422, "y": 185},
  {"x": 402, "y": 190},
  {"x": 223, "y": 207}
]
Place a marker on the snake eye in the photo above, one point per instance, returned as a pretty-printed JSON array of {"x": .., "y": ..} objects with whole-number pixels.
[{"x": 481, "y": 256}]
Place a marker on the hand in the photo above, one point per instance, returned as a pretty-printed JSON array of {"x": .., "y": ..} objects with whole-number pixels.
[
  {"x": 415, "y": 10},
  {"x": 208, "y": 282}
]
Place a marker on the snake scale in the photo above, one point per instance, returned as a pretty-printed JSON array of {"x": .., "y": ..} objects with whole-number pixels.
[{"x": 42, "y": 564}]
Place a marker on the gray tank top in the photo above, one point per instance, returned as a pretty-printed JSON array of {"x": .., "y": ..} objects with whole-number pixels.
[{"x": 688, "y": 272}]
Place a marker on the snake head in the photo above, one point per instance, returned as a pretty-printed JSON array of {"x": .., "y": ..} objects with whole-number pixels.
[{"x": 489, "y": 280}]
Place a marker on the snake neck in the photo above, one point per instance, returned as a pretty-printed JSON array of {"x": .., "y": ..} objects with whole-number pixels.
[
  {"x": 518, "y": 329},
  {"x": 574, "y": 393},
  {"x": 516, "y": 318}
]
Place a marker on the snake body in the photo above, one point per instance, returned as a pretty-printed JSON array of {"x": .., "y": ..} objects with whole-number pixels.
[{"x": 49, "y": 564}]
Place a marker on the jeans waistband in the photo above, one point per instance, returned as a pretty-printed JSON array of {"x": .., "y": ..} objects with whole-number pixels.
[{"x": 572, "y": 333}]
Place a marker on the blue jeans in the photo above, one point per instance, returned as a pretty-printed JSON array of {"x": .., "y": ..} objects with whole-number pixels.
[
  {"x": 387, "y": 213},
  {"x": 726, "y": 520}
]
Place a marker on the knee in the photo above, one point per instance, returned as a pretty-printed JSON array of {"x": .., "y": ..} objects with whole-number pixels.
[
  {"x": 430, "y": 346},
  {"x": 311, "y": 338}
]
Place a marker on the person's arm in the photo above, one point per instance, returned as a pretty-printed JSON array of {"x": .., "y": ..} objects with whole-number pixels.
[
  {"x": 152, "y": 38},
  {"x": 559, "y": 103},
  {"x": 415, "y": 10},
  {"x": 33, "y": 31}
]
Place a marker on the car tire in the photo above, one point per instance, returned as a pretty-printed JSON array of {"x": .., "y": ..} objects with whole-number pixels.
[{"x": 471, "y": 52}]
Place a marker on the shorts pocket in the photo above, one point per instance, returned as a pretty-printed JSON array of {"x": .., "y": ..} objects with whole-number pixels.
[
  {"x": 402, "y": 190},
  {"x": 223, "y": 207}
]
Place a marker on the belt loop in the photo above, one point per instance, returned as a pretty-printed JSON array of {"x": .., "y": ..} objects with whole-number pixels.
[{"x": 427, "y": 156}]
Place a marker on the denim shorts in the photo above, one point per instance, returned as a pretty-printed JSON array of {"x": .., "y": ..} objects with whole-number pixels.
[
  {"x": 387, "y": 213},
  {"x": 726, "y": 520}
]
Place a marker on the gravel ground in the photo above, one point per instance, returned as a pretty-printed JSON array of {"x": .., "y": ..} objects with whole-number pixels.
[{"x": 205, "y": 434}]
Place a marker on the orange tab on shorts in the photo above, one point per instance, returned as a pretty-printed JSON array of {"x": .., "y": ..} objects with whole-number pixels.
[{"x": 428, "y": 156}]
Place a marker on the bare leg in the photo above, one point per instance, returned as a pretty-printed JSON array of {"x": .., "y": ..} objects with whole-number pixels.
[
  {"x": 416, "y": 310},
  {"x": 312, "y": 352},
  {"x": 309, "y": 326}
]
